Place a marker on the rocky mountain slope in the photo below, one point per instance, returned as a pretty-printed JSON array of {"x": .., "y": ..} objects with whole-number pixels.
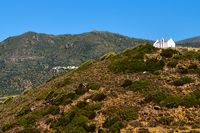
[
  {"x": 143, "y": 89},
  {"x": 190, "y": 42},
  {"x": 27, "y": 60}
]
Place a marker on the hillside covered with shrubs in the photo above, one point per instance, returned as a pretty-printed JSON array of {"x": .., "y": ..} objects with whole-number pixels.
[{"x": 143, "y": 89}]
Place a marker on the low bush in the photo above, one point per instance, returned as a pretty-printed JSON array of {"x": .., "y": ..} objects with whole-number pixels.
[
  {"x": 82, "y": 104},
  {"x": 52, "y": 93},
  {"x": 26, "y": 91},
  {"x": 85, "y": 64},
  {"x": 172, "y": 63},
  {"x": 94, "y": 86},
  {"x": 93, "y": 107},
  {"x": 168, "y": 52},
  {"x": 172, "y": 101},
  {"x": 90, "y": 128},
  {"x": 166, "y": 121},
  {"x": 183, "y": 80},
  {"x": 64, "y": 98},
  {"x": 138, "y": 86},
  {"x": 139, "y": 51},
  {"x": 193, "y": 66},
  {"x": 98, "y": 96},
  {"x": 127, "y": 114},
  {"x": 53, "y": 110},
  {"x": 62, "y": 83},
  {"x": 81, "y": 89},
  {"x": 27, "y": 120},
  {"x": 113, "y": 124},
  {"x": 192, "y": 55},
  {"x": 8, "y": 99},
  {"x": 127, "y": 82},
  {"x": 156, "y": 97},
  {"x": 130, "y": 65},
  {"x": 25, "y": 110},
  {"x": 29, "y": 130},
  {"x": 179, "y": 57},
  {"x": 190, "y": 100},
  {"x": 7, "y": 126},
  {"x": 107, "y": 56},
  {"x": 184, "y": 71}
]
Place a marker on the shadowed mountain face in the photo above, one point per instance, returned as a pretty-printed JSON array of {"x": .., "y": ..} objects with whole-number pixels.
[
  {"x": 27, "y": 60},
  {"x": 190, "y": 42}
]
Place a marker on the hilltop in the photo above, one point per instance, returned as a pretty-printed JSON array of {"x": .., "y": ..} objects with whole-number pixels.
[
  {"x": 143, "y": 89},
  {"x": 27, "y": 60}
]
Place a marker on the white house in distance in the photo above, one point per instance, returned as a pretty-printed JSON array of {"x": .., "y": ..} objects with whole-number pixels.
[{"x": 164, "y": 44}]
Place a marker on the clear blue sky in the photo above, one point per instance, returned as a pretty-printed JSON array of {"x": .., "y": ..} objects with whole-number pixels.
[{"x": 147, "y": 19}]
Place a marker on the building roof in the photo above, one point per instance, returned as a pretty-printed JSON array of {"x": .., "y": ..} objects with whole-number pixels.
[{"x": 160, "y": 42}]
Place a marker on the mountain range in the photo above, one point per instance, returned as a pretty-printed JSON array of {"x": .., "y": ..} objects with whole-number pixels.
[{"x": 27, "y": 60}]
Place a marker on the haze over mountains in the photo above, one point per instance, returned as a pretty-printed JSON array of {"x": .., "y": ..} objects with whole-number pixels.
[{"x": 27, "y": 60}]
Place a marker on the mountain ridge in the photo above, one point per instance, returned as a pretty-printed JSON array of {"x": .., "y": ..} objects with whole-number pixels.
[{"x": 27, "y": 60}]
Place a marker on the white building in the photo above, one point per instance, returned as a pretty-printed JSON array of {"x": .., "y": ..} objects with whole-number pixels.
[{"x": 164, "y": 44}]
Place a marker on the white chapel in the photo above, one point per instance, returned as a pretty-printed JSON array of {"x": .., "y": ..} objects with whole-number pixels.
[{"x": 164, "y": 44}]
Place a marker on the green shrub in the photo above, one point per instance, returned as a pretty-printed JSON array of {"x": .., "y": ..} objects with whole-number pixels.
[
  {"x": 110, "y": 121},
  {"x": 116, "y": 127},
  {"x": 107, "y": 56},
  {"x": 94, "y": 86},
  {"x": 193, "y": 66},
  {"x": 8, "y": 99},
  {"x": 81, "y": 89},
  {"x": 127, "y": 82},
  {"x": 7, "y": 126},
  {"x": 98, "y": 96},
  {"x": 184, "y": 71},
  {"x": 172, "y": 63},
  {"x": 85, "y": 64},
  {"x": 139, "y": 51},
  {"x": 27, "y": 120},
  {"x": 26, "y": 91},
  {"x": 196, "y": 93},
  {"x": 192, "y": 55},
  {"x": 138, "y": 86},
  {"x": 90, "y": 128},
  {"x": 179, "y": 57},
  {"x": 52, "y": 93},
  {"x": 82, "y": 104},
  {"x": 168, "y": 52},
  {"x": 53, "y": 110},
  {"x": 156, "y": 97},
  {"x": 47, "y": 95},
  {"x": 48, "y": 121},
  {"x": 166, "y": 121},
  {"x": 62, "y": 83},
  {"x": 154, "y": 64},
  {"x": 193, "y": 131},
  {"x": 190, "y": 100},
  {"x": 25, "y": 110},
  {"x": 129, "y": 65},
  {"x": 64, "y": 98},
  {"x": 93, "y": 107},
  {"x": 183, "y": 80},
  {"x": 73, "y": 129},
  {"x": 172, "y": 101},
  {"x": 127, "y": 114},
  {"x": 29, "y": 130}
]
